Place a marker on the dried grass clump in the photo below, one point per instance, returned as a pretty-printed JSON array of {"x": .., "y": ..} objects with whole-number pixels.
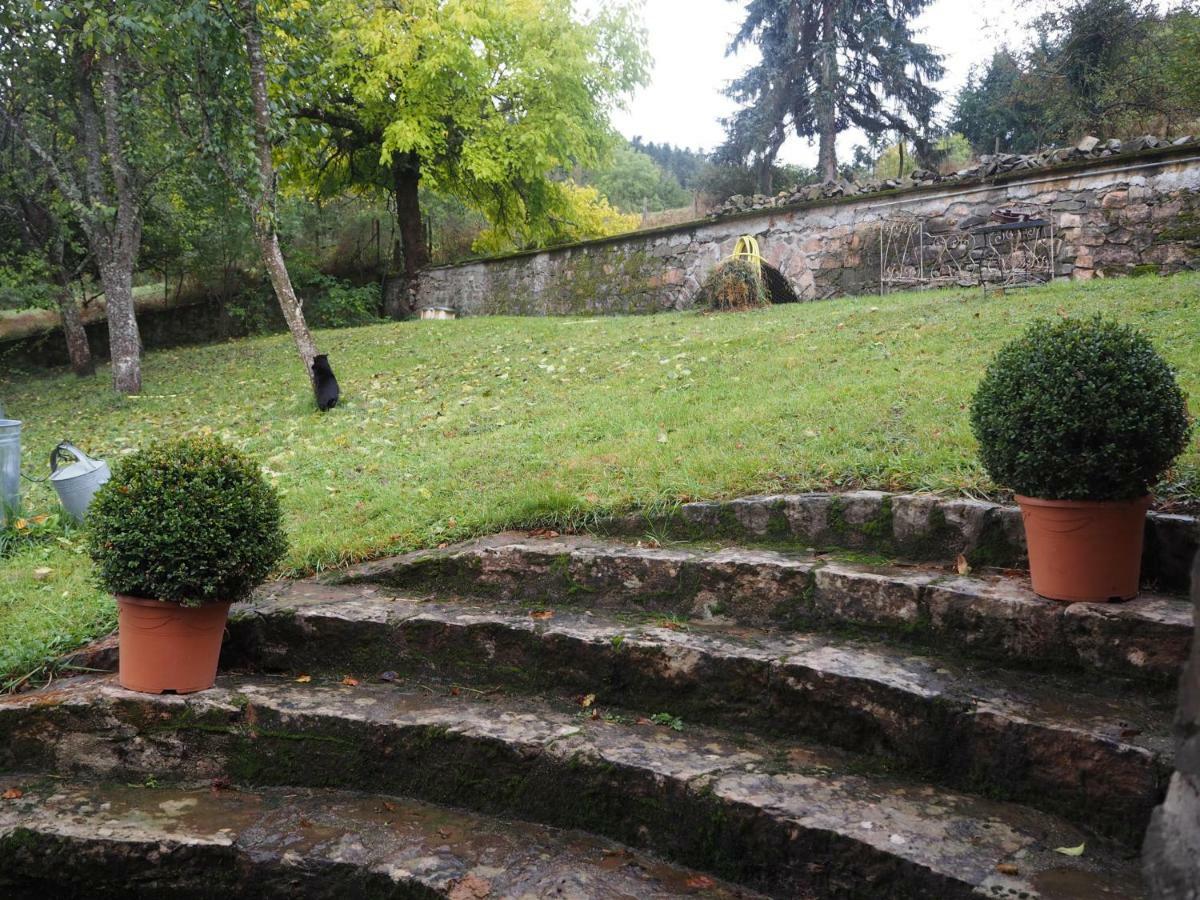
[{"x": 734, "y": 285}]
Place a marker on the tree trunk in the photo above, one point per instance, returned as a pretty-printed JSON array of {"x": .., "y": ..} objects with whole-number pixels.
[
  {"x": 827, "y": 94},
  {"x": 124, "y": 341},
  {"x": 400, "y": 287},
  {"x": 766, "y": 177},
  {"x": 114, "y": 241},
  {"x": 289, "y": 303},
  {"x": 78, "y": 349},
  {"x": 262, "y": 204}
]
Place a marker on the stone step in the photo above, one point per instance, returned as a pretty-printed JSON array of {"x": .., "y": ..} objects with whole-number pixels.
[
  {"x": 62, "y": 839},
  {"x": 1095, "y": 752},
  {"x": 992, "y": 616},
  {"x": 781, "y": 818},
  {"x": 918, "y": 527}
]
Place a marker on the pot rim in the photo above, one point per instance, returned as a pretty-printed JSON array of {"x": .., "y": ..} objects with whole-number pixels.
[
  {"x": 1143, "y": 501},
  {"x": 146, "y": 601}
]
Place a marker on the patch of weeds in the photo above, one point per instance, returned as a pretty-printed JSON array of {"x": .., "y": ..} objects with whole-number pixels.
[
  {"x": 667, "y": 720},
  {"x": 671, "y": 622},
  {"x": 617, "y": 641}
]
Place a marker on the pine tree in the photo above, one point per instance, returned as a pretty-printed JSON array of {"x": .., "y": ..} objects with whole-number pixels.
[{"x": 828, "y": 65}]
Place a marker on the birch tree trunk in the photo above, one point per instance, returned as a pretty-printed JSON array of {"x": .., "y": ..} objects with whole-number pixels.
[{"x": 262, "y": 202}]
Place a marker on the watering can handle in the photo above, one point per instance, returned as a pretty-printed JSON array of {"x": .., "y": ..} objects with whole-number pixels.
[{"x": 65, "y": 447}]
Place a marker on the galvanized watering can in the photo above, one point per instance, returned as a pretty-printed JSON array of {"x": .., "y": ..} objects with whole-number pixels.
[
  {"x": 77, "y": 482},
  {"x": 10, "y": 468}
]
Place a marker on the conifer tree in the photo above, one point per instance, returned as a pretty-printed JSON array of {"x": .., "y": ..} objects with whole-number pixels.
[{"x": 828, "y": 65}]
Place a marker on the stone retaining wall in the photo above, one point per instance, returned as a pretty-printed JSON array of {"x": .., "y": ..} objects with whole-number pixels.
[{"x": 1132, "y": 214}]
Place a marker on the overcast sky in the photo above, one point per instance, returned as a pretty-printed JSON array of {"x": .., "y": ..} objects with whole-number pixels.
[{"x": 683, "y": 104}]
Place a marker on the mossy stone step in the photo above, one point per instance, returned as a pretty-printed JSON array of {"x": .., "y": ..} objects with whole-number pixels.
[
  {"x": 992, "y": 616},
  {"x": 919, "y": 527},
  {"x": 95, "y": 841},
  {"x": 787, "y": 820},
  {"x": 1095, "y": 752}
]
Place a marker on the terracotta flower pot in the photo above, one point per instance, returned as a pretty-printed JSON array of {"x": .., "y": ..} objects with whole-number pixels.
[
  {"x": 1083, "y": 549},
  {"x": 168, "y": 647}
]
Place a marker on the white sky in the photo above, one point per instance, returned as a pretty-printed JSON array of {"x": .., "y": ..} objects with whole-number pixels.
[{"x": 683, "y": 104}]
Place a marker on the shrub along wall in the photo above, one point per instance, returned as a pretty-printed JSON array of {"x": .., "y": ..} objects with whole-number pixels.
[{"x": 1127, "y": 214}]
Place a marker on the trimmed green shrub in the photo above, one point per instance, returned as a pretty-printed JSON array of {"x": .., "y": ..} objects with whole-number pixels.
[
  {"x": 1079, "y": 410},
  {"x": 735, "y": 284},
  {"x": 189, "y": 520}
]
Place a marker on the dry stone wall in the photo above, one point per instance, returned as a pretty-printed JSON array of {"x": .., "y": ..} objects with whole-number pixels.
[{"x": 1118, "y": 215}]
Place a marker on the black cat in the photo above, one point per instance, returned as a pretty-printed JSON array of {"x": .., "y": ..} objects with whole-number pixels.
[{"x": 324, "y": 383}]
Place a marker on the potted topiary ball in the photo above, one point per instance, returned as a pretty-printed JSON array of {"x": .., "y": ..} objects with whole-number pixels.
[
  {"x": 184, "y": 528},
  {"x": 1081, "y": 418}
]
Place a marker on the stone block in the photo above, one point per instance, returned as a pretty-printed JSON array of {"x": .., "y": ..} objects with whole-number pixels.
[
  {"x": 996, "y": 617},
  {"x": 760, "y": 516},
  {"x": 1116, "y": 199},
  {"x": 807, "y": 517},
  {"x": 866, "y": 596}
]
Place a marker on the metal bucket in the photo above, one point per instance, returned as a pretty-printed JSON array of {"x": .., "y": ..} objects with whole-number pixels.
[
  {"x": 10, "y": 468},
  {"x": 76, "y": 483}
]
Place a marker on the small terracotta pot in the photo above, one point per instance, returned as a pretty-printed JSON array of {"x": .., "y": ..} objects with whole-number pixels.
[
  {"x": 168, "y": 647},
  {"x": 1085, "y": 550}
]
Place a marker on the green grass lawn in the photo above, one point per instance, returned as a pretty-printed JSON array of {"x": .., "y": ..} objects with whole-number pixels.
[{"x": 451, "y": 429}]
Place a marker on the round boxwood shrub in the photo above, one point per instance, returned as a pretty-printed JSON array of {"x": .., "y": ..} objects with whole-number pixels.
[
  {"x": 1079, "y": 410},
  {"x": 189, "y": 520}
]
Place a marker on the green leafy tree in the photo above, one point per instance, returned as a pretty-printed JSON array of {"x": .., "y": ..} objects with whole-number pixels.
[
  {"x": 1108, "y": 67},
  {"x": 633, "y": 181},
  {"x": 483, "y": 100},
  {"x": 578, "y": 212},
  {"x": 899, "y": 159},
  {"x": 827, "y": 65},
  {"x": 81, "y": 95}
]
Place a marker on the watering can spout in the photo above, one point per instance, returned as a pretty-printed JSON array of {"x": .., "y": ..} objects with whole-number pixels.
[{"x": 77, "y": 482}]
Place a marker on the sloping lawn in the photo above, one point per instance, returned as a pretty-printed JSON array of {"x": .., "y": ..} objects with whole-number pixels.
[{"x": 451, "y": 429}]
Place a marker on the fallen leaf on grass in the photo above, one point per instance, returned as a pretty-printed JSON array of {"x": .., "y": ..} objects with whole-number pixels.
[
  {"x": 389, "y": 806},
  {"x": 350, "y": 682},
  {"x": 1070, "y": 851},
  {"x": 13, "y": 794},
  {"x": 542, "y": 614},
  {"x": 961, "y": 564},
  {"x": 304, "y": 679}
]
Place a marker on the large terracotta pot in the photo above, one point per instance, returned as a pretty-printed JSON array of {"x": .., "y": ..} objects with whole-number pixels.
[
  {"x": 167, "y": 647},
  {"x": 1085, "y": 549}
]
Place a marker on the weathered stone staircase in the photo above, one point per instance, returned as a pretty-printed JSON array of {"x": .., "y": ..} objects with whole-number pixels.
[{"x": 551, "y": 716}]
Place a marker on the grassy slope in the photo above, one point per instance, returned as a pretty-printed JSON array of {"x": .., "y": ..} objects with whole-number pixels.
[{"x": 449, "y": 429}]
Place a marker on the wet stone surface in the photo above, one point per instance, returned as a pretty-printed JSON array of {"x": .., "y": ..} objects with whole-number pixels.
[
  {"x": 789, "y": 819},
  {"x": 63, "y": 839},
  {"x": 918, "y": 527},
  {"x": 987, "y": 729},
  {"x": 990, "y": 616}
]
